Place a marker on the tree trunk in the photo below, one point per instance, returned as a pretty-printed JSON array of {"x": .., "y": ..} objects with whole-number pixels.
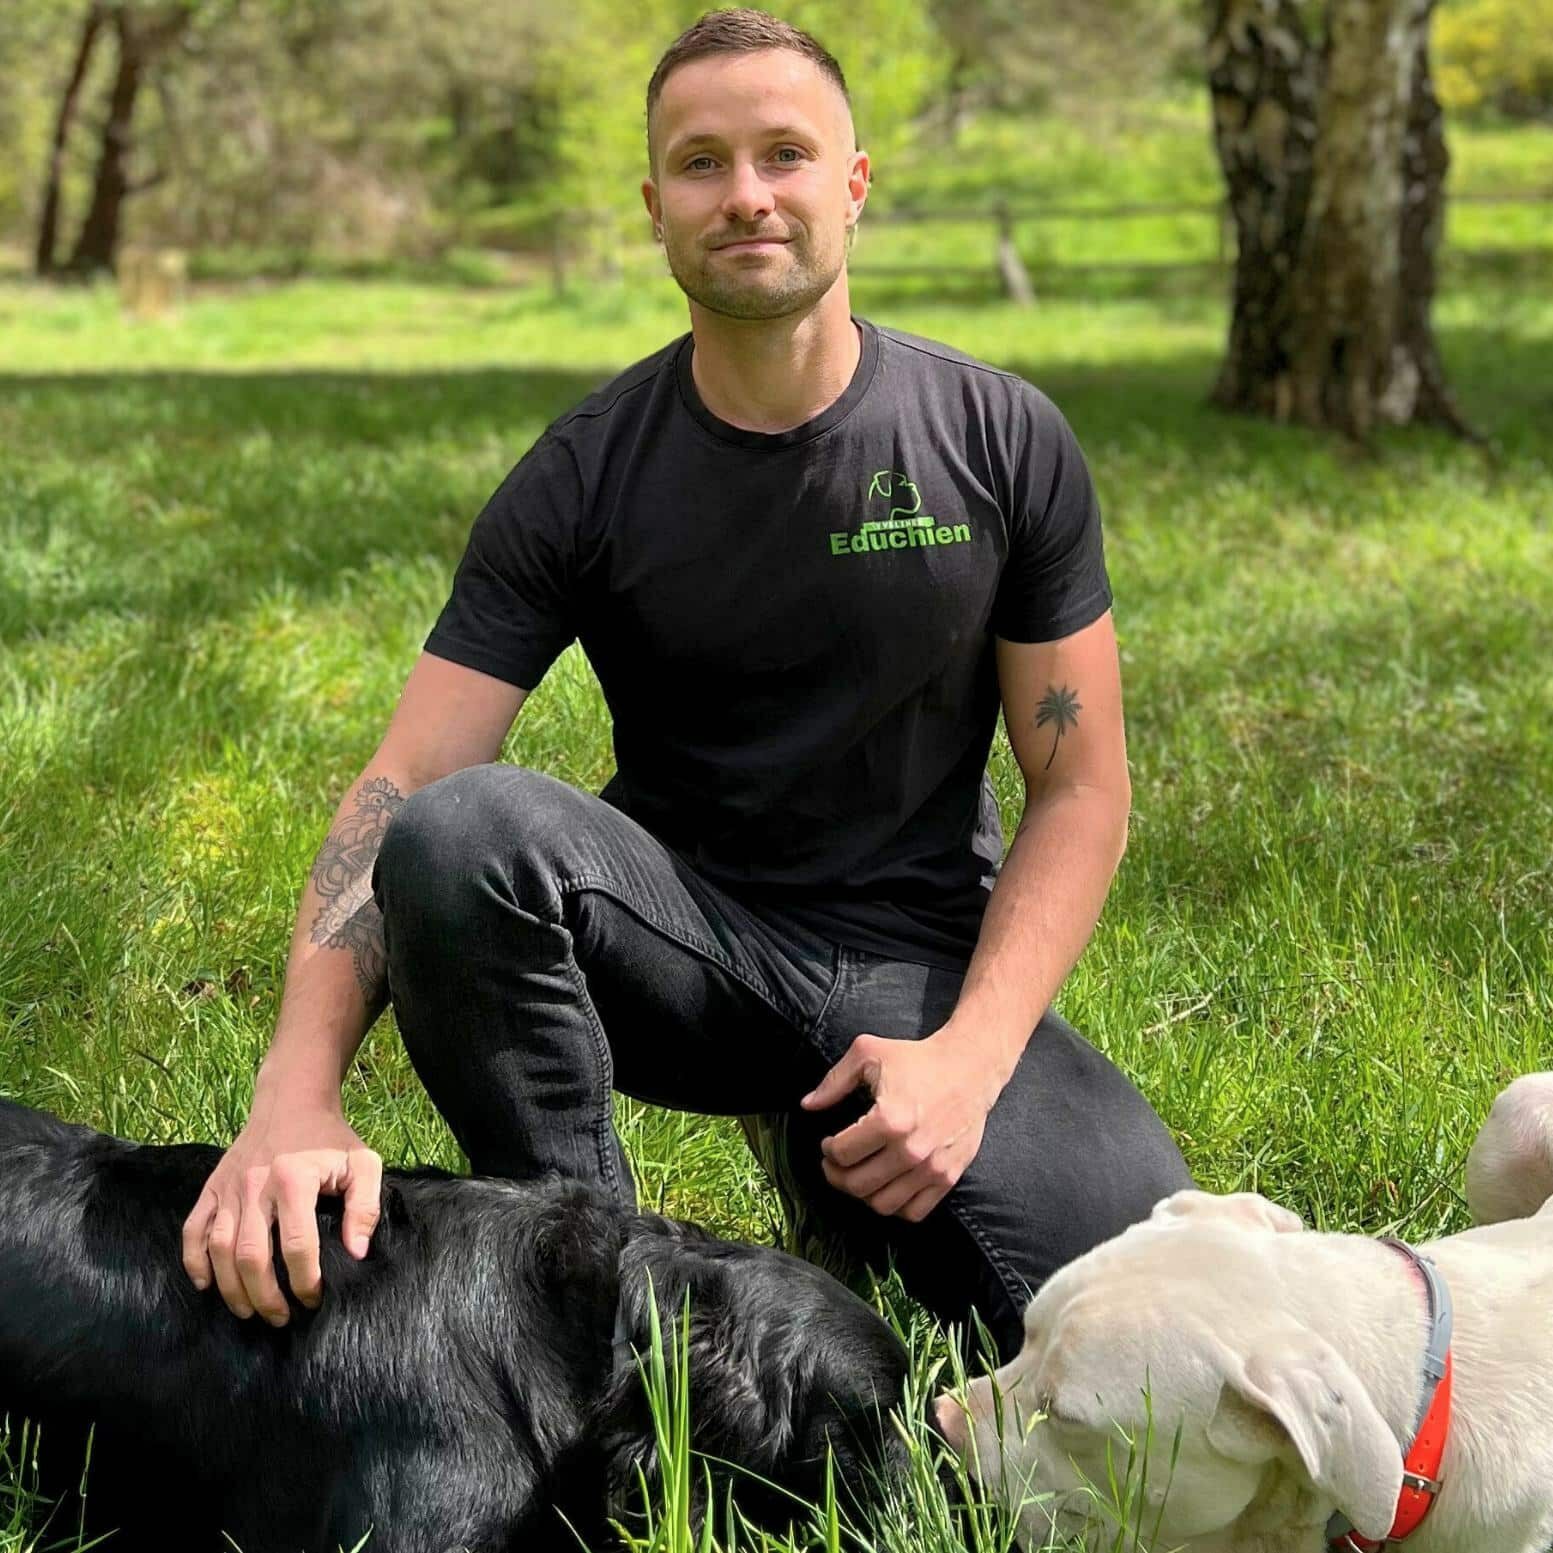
[
  {"x": 141, "y": 39},
  {"x": 48, "y": 220},
  {"x": 1262, "y": 76},
  {"x": 1425, "y": 161},
  {"x": 1347, "y": 291},
  {"x": 97, "y": 245},
  {"x": 1335, "y": 161}
]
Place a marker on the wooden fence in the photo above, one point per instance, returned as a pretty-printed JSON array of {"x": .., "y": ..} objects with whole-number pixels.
[{"x": 1011, "y": 272}]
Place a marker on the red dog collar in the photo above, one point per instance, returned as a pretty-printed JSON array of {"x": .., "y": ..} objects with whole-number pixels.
[{"x": 1425, "y": 1451}]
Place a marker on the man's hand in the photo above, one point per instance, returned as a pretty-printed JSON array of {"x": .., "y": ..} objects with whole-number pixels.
[
  {"x": 931, "y": 1099},
  {"x": 273, "y": 1173}
]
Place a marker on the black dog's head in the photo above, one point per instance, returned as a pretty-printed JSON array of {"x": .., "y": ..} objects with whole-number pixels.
[{"x": 785, "y": 1366}]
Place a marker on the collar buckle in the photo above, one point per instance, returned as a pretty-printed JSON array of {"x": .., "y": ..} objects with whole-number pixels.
[{"x": 1431, "y": 1424}]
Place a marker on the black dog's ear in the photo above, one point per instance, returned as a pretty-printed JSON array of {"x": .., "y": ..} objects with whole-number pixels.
[
  {"x": 787, "y": 1370},
  {"x": 745, "y": 1365}
]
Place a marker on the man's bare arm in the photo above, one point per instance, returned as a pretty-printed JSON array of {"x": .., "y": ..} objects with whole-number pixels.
[
  {"x": 296, "y": 1142},
  {"x": 342, "y": 879},
  {"x": 1063, "y": 707},
  {"x": 1062, "y": 704}
]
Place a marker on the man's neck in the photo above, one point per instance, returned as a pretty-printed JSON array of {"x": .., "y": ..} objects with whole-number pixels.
[{"x": 771, "y": 374}]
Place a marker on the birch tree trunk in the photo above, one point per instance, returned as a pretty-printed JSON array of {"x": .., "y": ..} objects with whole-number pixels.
[{"x": 1334, "y": 160}]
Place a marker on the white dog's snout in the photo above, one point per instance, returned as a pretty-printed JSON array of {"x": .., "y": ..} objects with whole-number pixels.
[{"x": 952, "y": 1421}]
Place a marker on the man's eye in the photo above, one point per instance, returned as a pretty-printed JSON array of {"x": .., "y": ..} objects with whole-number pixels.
[
  {"x": 794, "y": 149},
  {"x": 690, "y": 164}
]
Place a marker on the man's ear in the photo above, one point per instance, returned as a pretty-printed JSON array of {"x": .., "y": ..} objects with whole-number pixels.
[
  {"x": 1296, "y": 1390},
  {"x": 1249, "y": 1210}
]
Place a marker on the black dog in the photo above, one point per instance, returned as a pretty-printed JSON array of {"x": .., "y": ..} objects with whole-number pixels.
[{"x": 465, "y": 1386}]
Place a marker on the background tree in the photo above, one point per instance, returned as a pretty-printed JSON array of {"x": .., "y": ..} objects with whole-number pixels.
[
  {"x": 143, "y": 35},
  {"x": 1019, "y": 56},
  {"x": 1334, "y": 154},
  {"x": 1497, "y": 55},
  {"x": 48, "y": 220}
]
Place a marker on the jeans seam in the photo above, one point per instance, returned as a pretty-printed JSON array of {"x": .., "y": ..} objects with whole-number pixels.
[
  {"x": 604, "y": 1062},
  {"x": 844, "y": 963},
  {"x": 603, "y": 1059},
  {"x": 572, "y": 883},
  {"x": 1014, "y": 1287}
]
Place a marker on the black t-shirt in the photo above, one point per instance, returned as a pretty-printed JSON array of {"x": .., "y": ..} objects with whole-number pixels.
[{"x": 794, "y": 630}]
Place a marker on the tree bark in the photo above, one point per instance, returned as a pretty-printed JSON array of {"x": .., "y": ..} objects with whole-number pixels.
[
  {"x": 1425, "y": 161},
  {"x": 1263, "y": 80},
  {"x": 48, "y": 220},
  {"x": 1334, "y": 160},
  {"x": 1347, "y": 297}
]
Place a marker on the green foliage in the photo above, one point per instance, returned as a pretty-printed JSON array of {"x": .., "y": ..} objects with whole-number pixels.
[
  {"x": 886, "y": 48},
  {"x": 1495, "y": 54},
  {"x": 369, "y": 126}
]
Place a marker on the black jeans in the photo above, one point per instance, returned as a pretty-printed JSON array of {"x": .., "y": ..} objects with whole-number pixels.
[{"x": 544, "y": 949}]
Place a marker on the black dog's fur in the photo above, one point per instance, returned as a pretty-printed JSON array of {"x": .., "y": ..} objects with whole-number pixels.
[{"x": 456, "y": 1389}]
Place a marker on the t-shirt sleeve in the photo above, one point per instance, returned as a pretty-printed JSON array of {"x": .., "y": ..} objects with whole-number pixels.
[
  {"x": 1054, "y": 581},
  {"x": 511, "y": 610}
]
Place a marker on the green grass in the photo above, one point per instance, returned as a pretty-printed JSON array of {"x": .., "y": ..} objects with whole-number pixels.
[{"x": 224, "y": 536}]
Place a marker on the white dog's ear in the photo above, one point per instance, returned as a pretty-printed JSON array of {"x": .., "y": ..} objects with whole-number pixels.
[
  {"x": 1247, "y": 1209},
  {"x": 1297, "y": 1389},
  {"x": 1510, "y": 1166}
]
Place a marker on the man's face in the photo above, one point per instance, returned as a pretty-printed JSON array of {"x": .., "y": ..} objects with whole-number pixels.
[{"x": 754, "y": 146}]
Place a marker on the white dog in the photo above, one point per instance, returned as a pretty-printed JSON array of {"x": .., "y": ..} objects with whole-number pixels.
[{"x": 1292, "y": 1364}]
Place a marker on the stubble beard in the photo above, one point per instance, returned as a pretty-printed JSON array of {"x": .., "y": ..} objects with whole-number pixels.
[{"x": 724, "y": 286}]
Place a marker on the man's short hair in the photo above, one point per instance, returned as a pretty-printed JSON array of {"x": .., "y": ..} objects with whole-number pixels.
[{"x": 739, "y": 30}]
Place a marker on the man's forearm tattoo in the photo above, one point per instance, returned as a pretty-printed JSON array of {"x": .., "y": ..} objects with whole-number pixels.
[
  {"x": 342, "y": 875},
  {"x": 1061, "y": 709}
]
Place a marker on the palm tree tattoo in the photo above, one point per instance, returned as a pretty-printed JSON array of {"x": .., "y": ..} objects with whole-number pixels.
[
  {"x": 342, "y": 875},
  {"x": 1061, "y": 708}
]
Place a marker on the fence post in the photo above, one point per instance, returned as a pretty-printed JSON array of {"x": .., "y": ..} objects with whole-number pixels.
[
  {"x": 557, "y": 255},
  {"x": 1011, "y": 268},
  {"x": 151, "y": 280}
]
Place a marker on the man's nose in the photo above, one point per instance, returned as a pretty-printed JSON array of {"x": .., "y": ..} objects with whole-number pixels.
[{"x": 749, "y": 197}]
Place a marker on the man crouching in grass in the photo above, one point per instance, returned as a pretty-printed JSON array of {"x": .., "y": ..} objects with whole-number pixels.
[{"x": 807, "y": 556}]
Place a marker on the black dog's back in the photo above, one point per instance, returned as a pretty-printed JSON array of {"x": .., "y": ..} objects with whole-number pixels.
[
  {"x": 454, "y": 1388},
  {"x": 69, "y": 1341},
  {"x": 197, "y": 1414}
]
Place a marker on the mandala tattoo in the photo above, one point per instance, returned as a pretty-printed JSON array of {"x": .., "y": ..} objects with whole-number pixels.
[
  {"x": 342, "y": 875},
  {"x": 1061, "y": 708}
]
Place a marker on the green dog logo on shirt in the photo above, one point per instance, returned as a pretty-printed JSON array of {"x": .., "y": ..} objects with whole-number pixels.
[{"x": 906, "y": 527}]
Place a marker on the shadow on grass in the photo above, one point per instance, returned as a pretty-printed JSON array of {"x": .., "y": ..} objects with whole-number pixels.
[
  {"x": 86, "y": 413},
  {"x": 180, "y": 496},
  {"x": 183, "y": 496}
]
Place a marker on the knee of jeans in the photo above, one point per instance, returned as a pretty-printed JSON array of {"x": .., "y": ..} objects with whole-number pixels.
[{"x": 471, "y": 831}]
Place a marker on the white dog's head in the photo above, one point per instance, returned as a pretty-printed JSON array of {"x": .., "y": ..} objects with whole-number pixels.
[{"x": 1176, "y": 1325}]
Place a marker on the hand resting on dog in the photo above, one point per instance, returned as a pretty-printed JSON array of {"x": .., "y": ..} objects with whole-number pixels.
[{"x": 463, "y": 1386}]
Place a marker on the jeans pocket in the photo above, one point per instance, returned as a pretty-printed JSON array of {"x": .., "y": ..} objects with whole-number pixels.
[{"x": 875, "y": 995}]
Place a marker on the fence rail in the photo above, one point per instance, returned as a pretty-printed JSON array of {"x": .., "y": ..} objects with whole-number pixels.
[{"x": 1009, "y": 267}]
